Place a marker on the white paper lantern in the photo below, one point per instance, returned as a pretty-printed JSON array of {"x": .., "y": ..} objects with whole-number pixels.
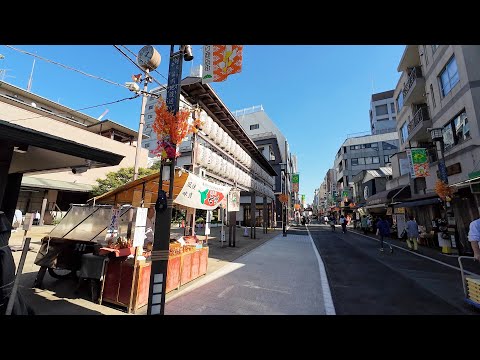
[
  {"x": 219, "y": 137},
  {"x": 199, "y": 155},
  {"x": 207, "y": 126},
  {"x": 213, "y": 133}
]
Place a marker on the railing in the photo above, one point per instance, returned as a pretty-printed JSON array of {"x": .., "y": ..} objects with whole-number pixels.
[
  {"x": 414, "y": 74},
  {"x": 420, "y": 116},
  {"x": 246, "y": 111}
]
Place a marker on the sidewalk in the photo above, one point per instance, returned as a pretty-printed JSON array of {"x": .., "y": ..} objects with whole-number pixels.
[
  {"x": 58, "y": 297},
  {"x": 280, "y": 277}
]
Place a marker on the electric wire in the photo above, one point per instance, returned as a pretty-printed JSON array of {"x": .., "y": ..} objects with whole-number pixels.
[{"x": 66, "y": 67}]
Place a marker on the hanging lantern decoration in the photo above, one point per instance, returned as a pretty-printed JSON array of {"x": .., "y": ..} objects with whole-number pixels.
[{"x": 283, "y": 198}]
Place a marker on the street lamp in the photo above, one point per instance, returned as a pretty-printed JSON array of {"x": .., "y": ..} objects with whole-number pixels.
[{"x": 163, "y": 218}]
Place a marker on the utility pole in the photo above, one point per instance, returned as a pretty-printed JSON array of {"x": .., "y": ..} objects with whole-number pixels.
[
  {"x": 285, "y": 204},
  {"x": 141, "y": 124},
  {"x": 161, "y": 243}
]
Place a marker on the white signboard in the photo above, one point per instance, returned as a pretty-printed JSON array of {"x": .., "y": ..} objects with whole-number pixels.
[
  {"x": 234, "y": 200},
  {"x": 198, "y": 193},
  {"x": 140, "y": 224},
  {"x": 404, "y": 166},
  {"x": 207, "y": 222},
  {"x": 410, "y": 163}
]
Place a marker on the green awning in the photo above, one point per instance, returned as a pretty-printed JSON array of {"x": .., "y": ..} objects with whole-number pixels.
[{"x": 41, "y": 183}]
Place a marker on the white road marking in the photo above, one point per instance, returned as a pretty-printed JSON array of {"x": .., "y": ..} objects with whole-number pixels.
[{"x": 327, "y": 295}]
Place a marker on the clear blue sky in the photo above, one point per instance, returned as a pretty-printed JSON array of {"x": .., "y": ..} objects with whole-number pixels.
[{"x": 315, "y": 94}]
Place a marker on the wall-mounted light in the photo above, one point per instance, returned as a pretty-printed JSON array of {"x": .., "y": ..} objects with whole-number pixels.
[{"x": 22, "y": 149}]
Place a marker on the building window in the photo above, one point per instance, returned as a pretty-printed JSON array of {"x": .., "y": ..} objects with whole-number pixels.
[
  {"x": 147, "y": 145},
  {"x": 254, "y": 126},
  {"x": 394, "y": 118},
  {"x": 374, "y": 145},
  {"x": 400, "y": 101},
  {"x": 392, "y": 108},
  {"x": 388, "y": 146},
  {"x": 361, "y": 161},
  {"x": 404, "y": 132},
  {"x": 386, "y": 159},
  {"x": 354, "y": 161},
  {"x": 149, "y": 116},
  {"x": 456, "y": 131},
  {"x": 432, "y": 95},
  {"x": 272, "y": 156},
  {"x": 376, "y": 159},
  {"x": 150, "y": 107},
  {"x": 449, "y": 76},
  {"x": 434, "y": 48},
  {"x": 381, "y": 110}
]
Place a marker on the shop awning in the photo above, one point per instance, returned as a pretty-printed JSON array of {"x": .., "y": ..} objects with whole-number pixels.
[
  {"x": 384, "y": 197},
  {"x": 145, "y": 188},
  {"x": 419, "y": 202}
]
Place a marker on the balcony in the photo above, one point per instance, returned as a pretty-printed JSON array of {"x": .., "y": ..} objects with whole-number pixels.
[
  {"x": 417, "y": 127},
  {"x": 414, "y": 89}
]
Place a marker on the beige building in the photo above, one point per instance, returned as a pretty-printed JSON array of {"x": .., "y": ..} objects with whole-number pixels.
[
  {"x": 54, "y": 184},
  {"x": 439, "y": 87}
]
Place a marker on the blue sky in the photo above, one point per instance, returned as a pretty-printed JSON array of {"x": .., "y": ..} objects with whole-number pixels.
[{"x": 316, "y": 94}]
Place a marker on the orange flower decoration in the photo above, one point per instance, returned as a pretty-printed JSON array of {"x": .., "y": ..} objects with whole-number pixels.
[{"x": 443, "y": 190}]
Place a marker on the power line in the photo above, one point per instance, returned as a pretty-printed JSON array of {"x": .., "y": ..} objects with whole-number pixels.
[
  {"x": 85, "y": 108},
  {"x": 66, "y": 67}
]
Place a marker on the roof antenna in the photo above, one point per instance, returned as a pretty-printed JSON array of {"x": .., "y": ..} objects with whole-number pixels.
[
  {"x": 29, "y": 86},
  {"x": 103, "y": 114}
]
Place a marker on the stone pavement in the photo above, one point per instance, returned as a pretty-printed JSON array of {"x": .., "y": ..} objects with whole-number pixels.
[
  {"x": 280, "y": 277},
  {"x": 58, "y": 297}
]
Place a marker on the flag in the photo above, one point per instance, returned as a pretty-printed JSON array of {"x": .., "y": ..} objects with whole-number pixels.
[{"x": 220, "y": 61}]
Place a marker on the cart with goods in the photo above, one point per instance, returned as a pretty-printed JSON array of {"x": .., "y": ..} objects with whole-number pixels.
[{"x": 471, "y": 284}]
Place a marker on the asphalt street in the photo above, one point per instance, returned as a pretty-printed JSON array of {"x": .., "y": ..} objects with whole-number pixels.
[{"x": 365, "y": 281}]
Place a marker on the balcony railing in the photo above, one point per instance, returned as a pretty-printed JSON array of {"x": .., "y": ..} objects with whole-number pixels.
[
  {"x": 420, "y": 116},
  {"x": 415, "y": 73}
]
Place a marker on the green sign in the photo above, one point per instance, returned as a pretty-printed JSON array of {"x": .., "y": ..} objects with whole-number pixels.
[
  {"x": 474, "y": 175},
  {"x": 295, "y": 178}
]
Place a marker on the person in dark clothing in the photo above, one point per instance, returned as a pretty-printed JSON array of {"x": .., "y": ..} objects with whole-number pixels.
[
  {"x": 343, "y": 222},
  {"x": 7, "y": 273},
  {"x": 383, "y": 230}
]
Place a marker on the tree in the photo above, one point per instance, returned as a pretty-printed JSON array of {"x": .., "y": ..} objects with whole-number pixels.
[
  {"x": 156, "y": 165},
  {"x": 118, "y": 178}
]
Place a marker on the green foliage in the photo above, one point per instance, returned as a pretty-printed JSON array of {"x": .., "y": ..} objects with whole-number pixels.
[
  {"x": 200, "y": 220},
  {"x": 155, "y": 166},
  {"x": 118, "y": 178}
]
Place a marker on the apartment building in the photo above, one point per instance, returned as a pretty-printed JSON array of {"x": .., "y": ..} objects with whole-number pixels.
[
  {"x": 383, "y": 113},
  {"x": 362, "y": 153},
  {"x": 439, "y": 88},
  {"x": 276, "y": 149}
]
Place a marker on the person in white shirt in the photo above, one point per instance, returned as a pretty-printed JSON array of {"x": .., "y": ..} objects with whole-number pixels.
[
  {"x": 474, "y": 238},
  {"x": 17, "y": 219},
  {"x": 150, "y": 227}
]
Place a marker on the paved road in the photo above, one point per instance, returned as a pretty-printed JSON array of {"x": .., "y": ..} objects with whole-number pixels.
[
  {"x": 364, "y": 280},
  {"x": 281, "y": 276}
]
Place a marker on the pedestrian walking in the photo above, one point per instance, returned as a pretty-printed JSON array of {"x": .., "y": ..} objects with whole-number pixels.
[
  {"x": 412, "y": 234},
  {"x": 364, "y": 224},
  {"x": 474, "y": 238},
  {"x": 343, "y": 222},
  {"x": 332, "y": 223},
  {"x": 383, "y": 231}
]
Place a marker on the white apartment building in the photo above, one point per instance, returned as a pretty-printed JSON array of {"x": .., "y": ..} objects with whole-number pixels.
[
  {"x": 382, "y": 113},
  {"x": 439, "y": 87}
]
